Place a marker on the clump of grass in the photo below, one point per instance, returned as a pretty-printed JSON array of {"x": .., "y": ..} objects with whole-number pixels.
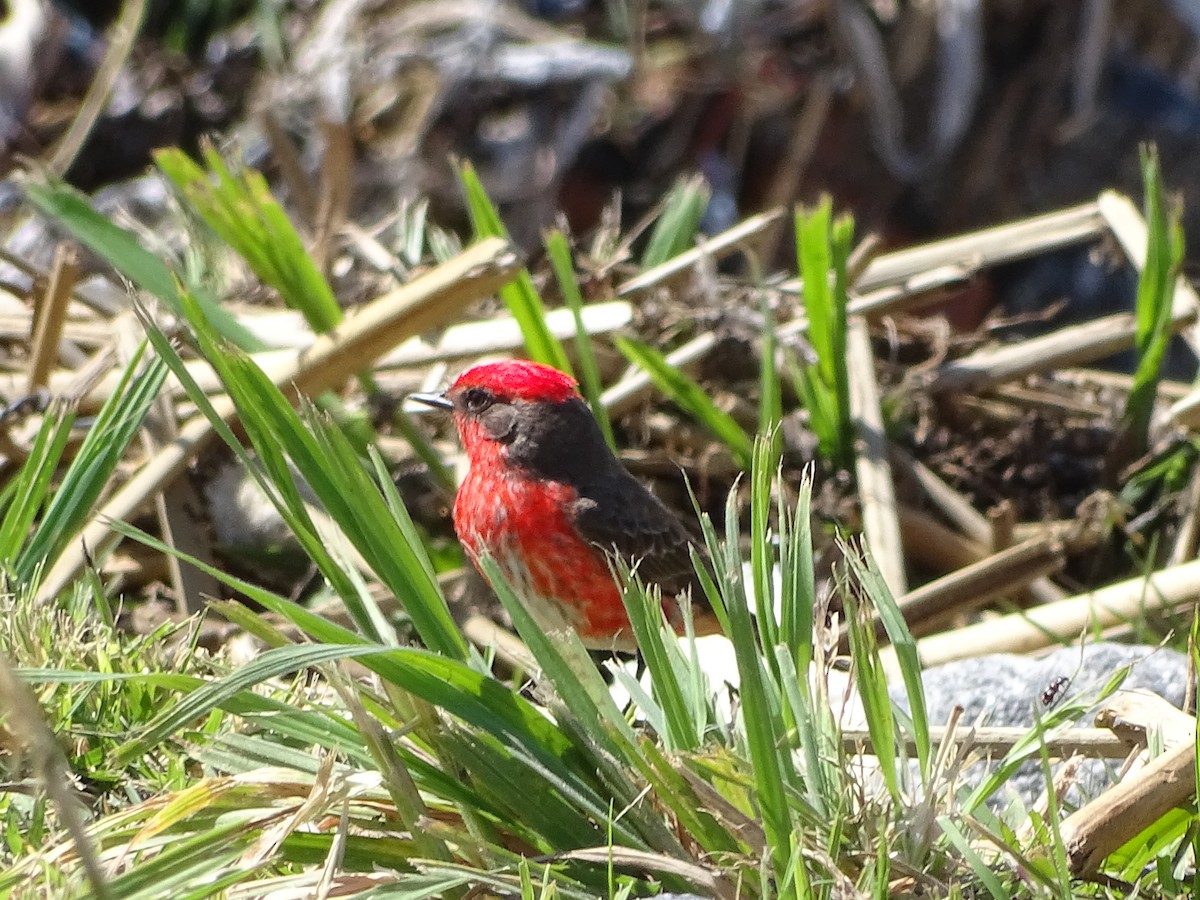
[
  {"x": 40, "y": 517},
  {"x": 237, "y": 204},
  {"x": 1155, "y": 299},
  {"x": 823, "y": 247},
  {"x": 94, "y": 685}
]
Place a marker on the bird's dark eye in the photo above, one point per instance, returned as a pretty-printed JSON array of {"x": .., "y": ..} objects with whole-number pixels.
[{"x": 476, "y": 400}]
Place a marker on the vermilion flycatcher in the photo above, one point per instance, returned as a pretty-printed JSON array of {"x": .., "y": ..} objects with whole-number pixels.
[{"x": 546, "y": 498}]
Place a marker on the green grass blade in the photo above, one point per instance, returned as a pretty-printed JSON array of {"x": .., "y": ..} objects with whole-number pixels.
[
  {"x": 566, "y": 664},
  {"x": 678, "y": 729},
  {"x": 566, "y": 806},
  {"x": 817, "y": 738},
  {"x": 770, "y": 754},
  {"x": 907, "y": 657},
  {"x": 762, "y": 551},
  {"x": 872, "y": 684},
  {"x": 981, "y": 869},
  {"x": 815, "y": 254},
  {"x": 316, "y": 627},
  {"x": 588, "y": 710},
  {"x": 356, "y": 503},
  {"x": 770, "y": 393},
  {"x": 203, "y": 864},
  {"x": 677, "y": 224},
  {"x": 797, "y": 575},
  {"x": 484, "y": 703},
  {"x": 211, "y": 695}
]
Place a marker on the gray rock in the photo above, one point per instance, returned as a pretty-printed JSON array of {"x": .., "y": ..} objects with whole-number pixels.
[{"x": 1004, "y": 689}]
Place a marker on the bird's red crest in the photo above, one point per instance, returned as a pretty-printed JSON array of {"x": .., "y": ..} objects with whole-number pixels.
[{"x": 519, "y": 379}]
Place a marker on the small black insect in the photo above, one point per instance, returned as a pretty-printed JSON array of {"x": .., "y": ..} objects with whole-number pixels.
[{"x": 1055, "y": 689}]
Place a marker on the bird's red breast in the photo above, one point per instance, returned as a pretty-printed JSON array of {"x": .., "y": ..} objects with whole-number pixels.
[{"x": 524, "y": 525}]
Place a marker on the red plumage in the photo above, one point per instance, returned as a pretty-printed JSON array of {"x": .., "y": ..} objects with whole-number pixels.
[{"x": 546, "y": 498}]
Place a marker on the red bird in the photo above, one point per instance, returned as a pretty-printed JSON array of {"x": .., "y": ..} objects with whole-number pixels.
[{"x": 546, "y": 498}]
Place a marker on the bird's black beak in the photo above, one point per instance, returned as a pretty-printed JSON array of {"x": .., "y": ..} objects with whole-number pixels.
[{"x": 438, "y": 401}]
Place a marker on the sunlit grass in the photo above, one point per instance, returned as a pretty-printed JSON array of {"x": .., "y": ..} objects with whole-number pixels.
[
  {"x": 1155, "y": 301},
  {"x": 823, "y": 249},
  {"x": 392, "y": 754}
]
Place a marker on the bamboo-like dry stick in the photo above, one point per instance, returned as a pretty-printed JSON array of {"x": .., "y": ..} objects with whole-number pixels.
[
  {"x": 1188, "y": 537},
  {"x": 1186, "y": 412},
  {"x": 1095, "y": 378},
  {"x": 709, "y": 880},
  {"x": 1032, "y": 398},
  {"x": 286, "y": 329},
  {"x": 291, "y": 167},
  {"x": 336, "y": 186},
  {"x": 370, "y": 331},
  {"x": 972, "y": 523},
  {"x": 998, "y": 740},
  {"x": 121, "y": 38},
  {"x": 913, "y": 292},
  {"x": 714, "y": 247},
  {"x": 90, "y": 334},
  {"x": 468, "y": 339},
  {"x": 1119, "y": 814},
  {"x": 51, "y": 316},
  {"x": 1072, "y": 346},
  {"x": 1003, "y": 519},
  {"x": 806, "y": 132},
  {"x": 1133, "y": 715},
  {"x": 876, "y": 492},
  {"x": 1043, "y": 626},
  {"x": 988, "y": 247},
  {"x": 1003, "y": 573},
  {"x": 932, "y": 544},
  {"x": 953, "y": 505}
]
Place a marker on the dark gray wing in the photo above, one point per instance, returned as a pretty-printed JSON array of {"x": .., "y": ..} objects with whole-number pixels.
[{"x": 641, "y": 531}]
